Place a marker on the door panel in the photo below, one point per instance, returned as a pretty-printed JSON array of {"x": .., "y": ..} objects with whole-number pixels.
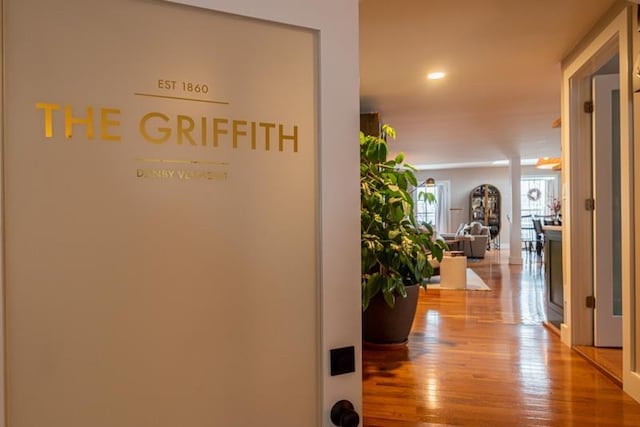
[
  {"x": 606, "y": 218},
  {"x": 161, "y": 238}
]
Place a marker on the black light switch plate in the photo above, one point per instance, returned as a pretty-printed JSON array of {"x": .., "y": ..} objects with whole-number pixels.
[{"x": 343, "y": 360}]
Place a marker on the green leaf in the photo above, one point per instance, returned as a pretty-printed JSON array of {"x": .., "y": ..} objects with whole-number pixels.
[
  {"x": 437, "y": 252},
  {"x": 374, "y": 284},
  {"x": 406, "y": 207},
  {"x": 389, "y": 298},
  {"x": 421, "y": 260},
  {"x": 388, "y": 131},
  {"x": 401, "y": 290},
  {"x": 402, "y": 182},
  {"x": 393, "y": 200},
  {"x": 411, "y": 178}
]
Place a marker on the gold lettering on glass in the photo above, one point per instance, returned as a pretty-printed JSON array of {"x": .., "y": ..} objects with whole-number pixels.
[
  {"x": 282, "y": 138},
  {"x": 70, "y": 121},
  {"x": 106, "y": 123},
  {"x": 185, "y": 130},
  {"x": 48, "y": 116},
  {"x": 163, "y": 131}
]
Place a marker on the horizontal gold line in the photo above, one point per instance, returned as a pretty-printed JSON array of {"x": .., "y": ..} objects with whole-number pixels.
[
  {"x": 188, "y": 162},
  {"x": 180, "y": 98}
]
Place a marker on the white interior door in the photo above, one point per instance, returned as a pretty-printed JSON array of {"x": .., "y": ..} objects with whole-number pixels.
[
  {"x": 606, "y": 217},
  {"x": 162, "y": 219}
]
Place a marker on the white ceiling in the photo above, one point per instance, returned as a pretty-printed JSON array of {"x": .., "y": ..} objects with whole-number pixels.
[{"x": 502, "y": 59}]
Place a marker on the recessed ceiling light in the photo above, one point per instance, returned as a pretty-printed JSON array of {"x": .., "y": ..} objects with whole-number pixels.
[
  {"x": 437, "y": 75},
  {"x": 523, "y": 162}
]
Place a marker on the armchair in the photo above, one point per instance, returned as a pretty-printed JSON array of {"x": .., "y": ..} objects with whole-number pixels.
[
  {"x": 472, "y": 239},
  {"x": 475, "y": 246}
]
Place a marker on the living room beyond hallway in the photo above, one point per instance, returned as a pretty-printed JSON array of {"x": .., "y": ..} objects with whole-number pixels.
[{"x": 485, "y": 358}]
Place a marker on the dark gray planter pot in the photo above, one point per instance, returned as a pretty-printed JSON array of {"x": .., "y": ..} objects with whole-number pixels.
[{"x": 382, "y": 324}]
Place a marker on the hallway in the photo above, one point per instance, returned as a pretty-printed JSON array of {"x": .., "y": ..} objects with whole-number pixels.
[{"x": 479, "y": 358}]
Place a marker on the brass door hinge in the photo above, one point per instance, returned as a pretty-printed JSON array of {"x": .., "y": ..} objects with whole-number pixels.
[
  {"x": 588, "y": 107},
  {"x": 590, "y": 204}
]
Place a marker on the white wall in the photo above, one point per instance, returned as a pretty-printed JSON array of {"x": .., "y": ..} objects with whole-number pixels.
[{"x": 463, "y": 180}]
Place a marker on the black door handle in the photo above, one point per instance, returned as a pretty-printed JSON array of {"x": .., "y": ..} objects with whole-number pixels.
[{"x": 343, "y": 414}]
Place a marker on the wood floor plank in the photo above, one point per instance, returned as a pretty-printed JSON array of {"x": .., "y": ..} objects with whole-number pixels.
[
  {"x": 608, "y": 360},
  {"x": 484, "y": 359}
]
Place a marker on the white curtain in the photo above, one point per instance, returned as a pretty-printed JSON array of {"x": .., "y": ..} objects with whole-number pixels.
[{"x": 442, "y": 220}]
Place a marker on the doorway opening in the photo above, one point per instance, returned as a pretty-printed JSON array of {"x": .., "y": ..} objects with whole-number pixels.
[
  {"x": 584, "y": 226},
  {"x": 606, "y": 352}
]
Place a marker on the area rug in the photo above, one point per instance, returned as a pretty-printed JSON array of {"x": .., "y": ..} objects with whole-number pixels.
[{"x": 474, "y": 283}]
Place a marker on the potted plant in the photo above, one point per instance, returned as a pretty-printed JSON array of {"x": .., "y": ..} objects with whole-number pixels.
[
  {"x": 555, "y": 206},
  {"x": 396, "y": 250}
]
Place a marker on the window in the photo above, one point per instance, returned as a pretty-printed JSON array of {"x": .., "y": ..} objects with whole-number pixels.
[
  {"x": 425, "y": 212},
  {"x": 536, "y": 195},
  {"x": 432, "y": 213}
]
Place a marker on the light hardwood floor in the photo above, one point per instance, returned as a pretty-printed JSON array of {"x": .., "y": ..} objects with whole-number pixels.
[
  {"x": 483, "y": 358},
  {"x": 608, "y": 360}
]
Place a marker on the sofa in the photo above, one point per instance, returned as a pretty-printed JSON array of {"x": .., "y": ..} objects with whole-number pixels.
[{"x": 472, "y": 239}]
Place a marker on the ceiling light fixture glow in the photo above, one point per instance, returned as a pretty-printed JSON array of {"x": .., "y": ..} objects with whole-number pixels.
[
  {"x": 548, "y": 163},
  {"x": 523, "y": 162},
  {"x": 437, "y": 75}
]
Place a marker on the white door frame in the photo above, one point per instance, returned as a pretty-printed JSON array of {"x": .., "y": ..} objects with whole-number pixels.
[{"x": 613, "y": 37}]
